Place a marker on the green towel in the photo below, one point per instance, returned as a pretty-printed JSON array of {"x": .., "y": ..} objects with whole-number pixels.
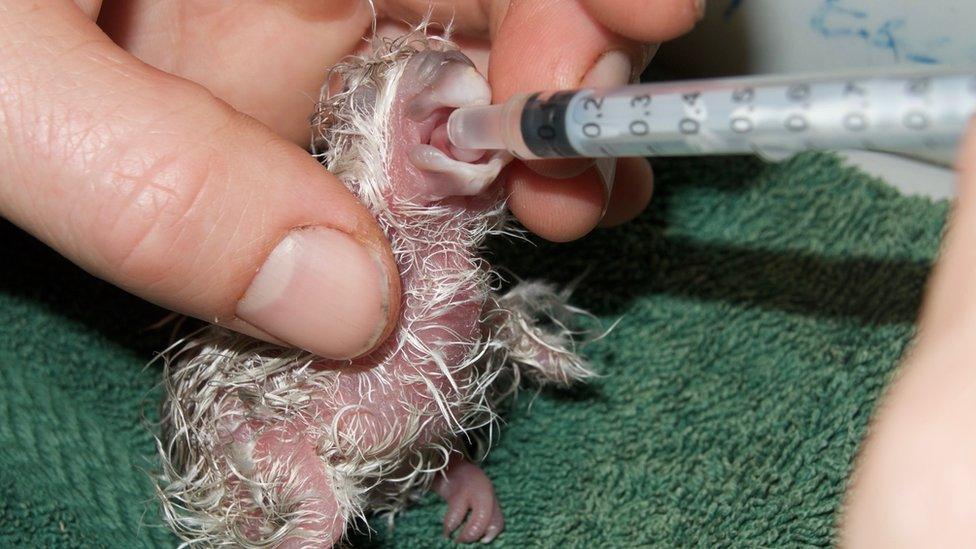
[{"x": 761, "y": 310}]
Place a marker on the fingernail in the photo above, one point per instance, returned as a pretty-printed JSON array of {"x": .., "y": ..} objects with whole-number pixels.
[
  {"x": 606, "y": 169},
  {"x": 700, "y": 8},
  {"x": 322, "y": 291},
  {"x": 611, "y": 69},
  {"x": 560, "y": 169}
]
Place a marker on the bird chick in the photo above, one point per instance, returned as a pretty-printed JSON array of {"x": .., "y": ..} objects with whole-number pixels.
[{"x": 270, "y": 447}]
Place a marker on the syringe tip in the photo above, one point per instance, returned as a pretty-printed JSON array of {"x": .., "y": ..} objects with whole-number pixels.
[{"x": 476, "y": 128}]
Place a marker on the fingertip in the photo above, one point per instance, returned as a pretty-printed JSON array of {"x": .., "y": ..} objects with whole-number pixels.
[
  {"x": 632, "y": 191},
  {"x": 556, "y": 63},
  {"x": 323, "y": 290},
  {"x": 647, "y": 21},
  {"x": 560, "y": 169},
  {"x": 559, "y": 210},
  {"x": 326, "y": 281}
]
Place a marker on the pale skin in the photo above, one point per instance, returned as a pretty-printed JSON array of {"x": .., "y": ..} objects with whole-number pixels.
[
  {"x": 915, "y": 481},
  {"x": 162, "y": 150}
]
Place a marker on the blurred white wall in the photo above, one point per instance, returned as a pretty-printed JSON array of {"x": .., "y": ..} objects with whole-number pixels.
[
  {"x": 762, "y": 36},
  {"x": 794, "y": 36}
]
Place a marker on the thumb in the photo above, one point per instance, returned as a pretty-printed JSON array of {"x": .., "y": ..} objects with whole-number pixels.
[
  {"x": 151, "y": 183},
  {"x": 951, "y": 293}
]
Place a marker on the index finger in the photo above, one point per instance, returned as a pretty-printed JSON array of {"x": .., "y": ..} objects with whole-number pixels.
[
  {"x": 562, "y": 44},
  {"x": 648, "y": 20}
]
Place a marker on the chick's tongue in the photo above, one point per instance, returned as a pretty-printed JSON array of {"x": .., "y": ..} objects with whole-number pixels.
[{"x": 438, "y": 139}]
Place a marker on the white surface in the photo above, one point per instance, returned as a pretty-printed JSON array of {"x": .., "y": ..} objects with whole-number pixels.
[
  {"x": 740, "y": 37},
  {"x": 910, "y": 177},
  {"x": 763, "y": 36}
]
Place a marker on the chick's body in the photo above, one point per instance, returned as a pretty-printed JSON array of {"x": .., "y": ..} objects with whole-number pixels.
[{"x": 271, "y": 447}]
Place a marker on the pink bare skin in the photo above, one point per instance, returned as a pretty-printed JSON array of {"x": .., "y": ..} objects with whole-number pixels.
[
  {"x": 469, "y": 493},
  {"x": 432, "y": 85}
]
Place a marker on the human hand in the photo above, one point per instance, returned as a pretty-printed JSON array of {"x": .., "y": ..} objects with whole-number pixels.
[
  {"x": 526, "y": 46},
  {"x": 152, "y": 177},
  {"x": 914, "y": 482}
]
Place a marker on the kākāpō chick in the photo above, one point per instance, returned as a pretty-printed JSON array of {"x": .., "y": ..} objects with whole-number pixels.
[{"x": 264, "y": 446}]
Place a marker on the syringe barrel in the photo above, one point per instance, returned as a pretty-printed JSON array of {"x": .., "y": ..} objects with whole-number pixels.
[{"x": 925, "y": 109}]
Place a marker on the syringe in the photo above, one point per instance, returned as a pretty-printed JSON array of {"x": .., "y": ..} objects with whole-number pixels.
[{"x": 915, "y": 110}]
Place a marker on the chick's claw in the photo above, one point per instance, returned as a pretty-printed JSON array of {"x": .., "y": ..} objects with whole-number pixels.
[{"x": 469, "y": 493}]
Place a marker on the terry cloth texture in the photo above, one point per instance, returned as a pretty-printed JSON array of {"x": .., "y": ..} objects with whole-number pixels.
[{"x": 762, "y": 309}]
